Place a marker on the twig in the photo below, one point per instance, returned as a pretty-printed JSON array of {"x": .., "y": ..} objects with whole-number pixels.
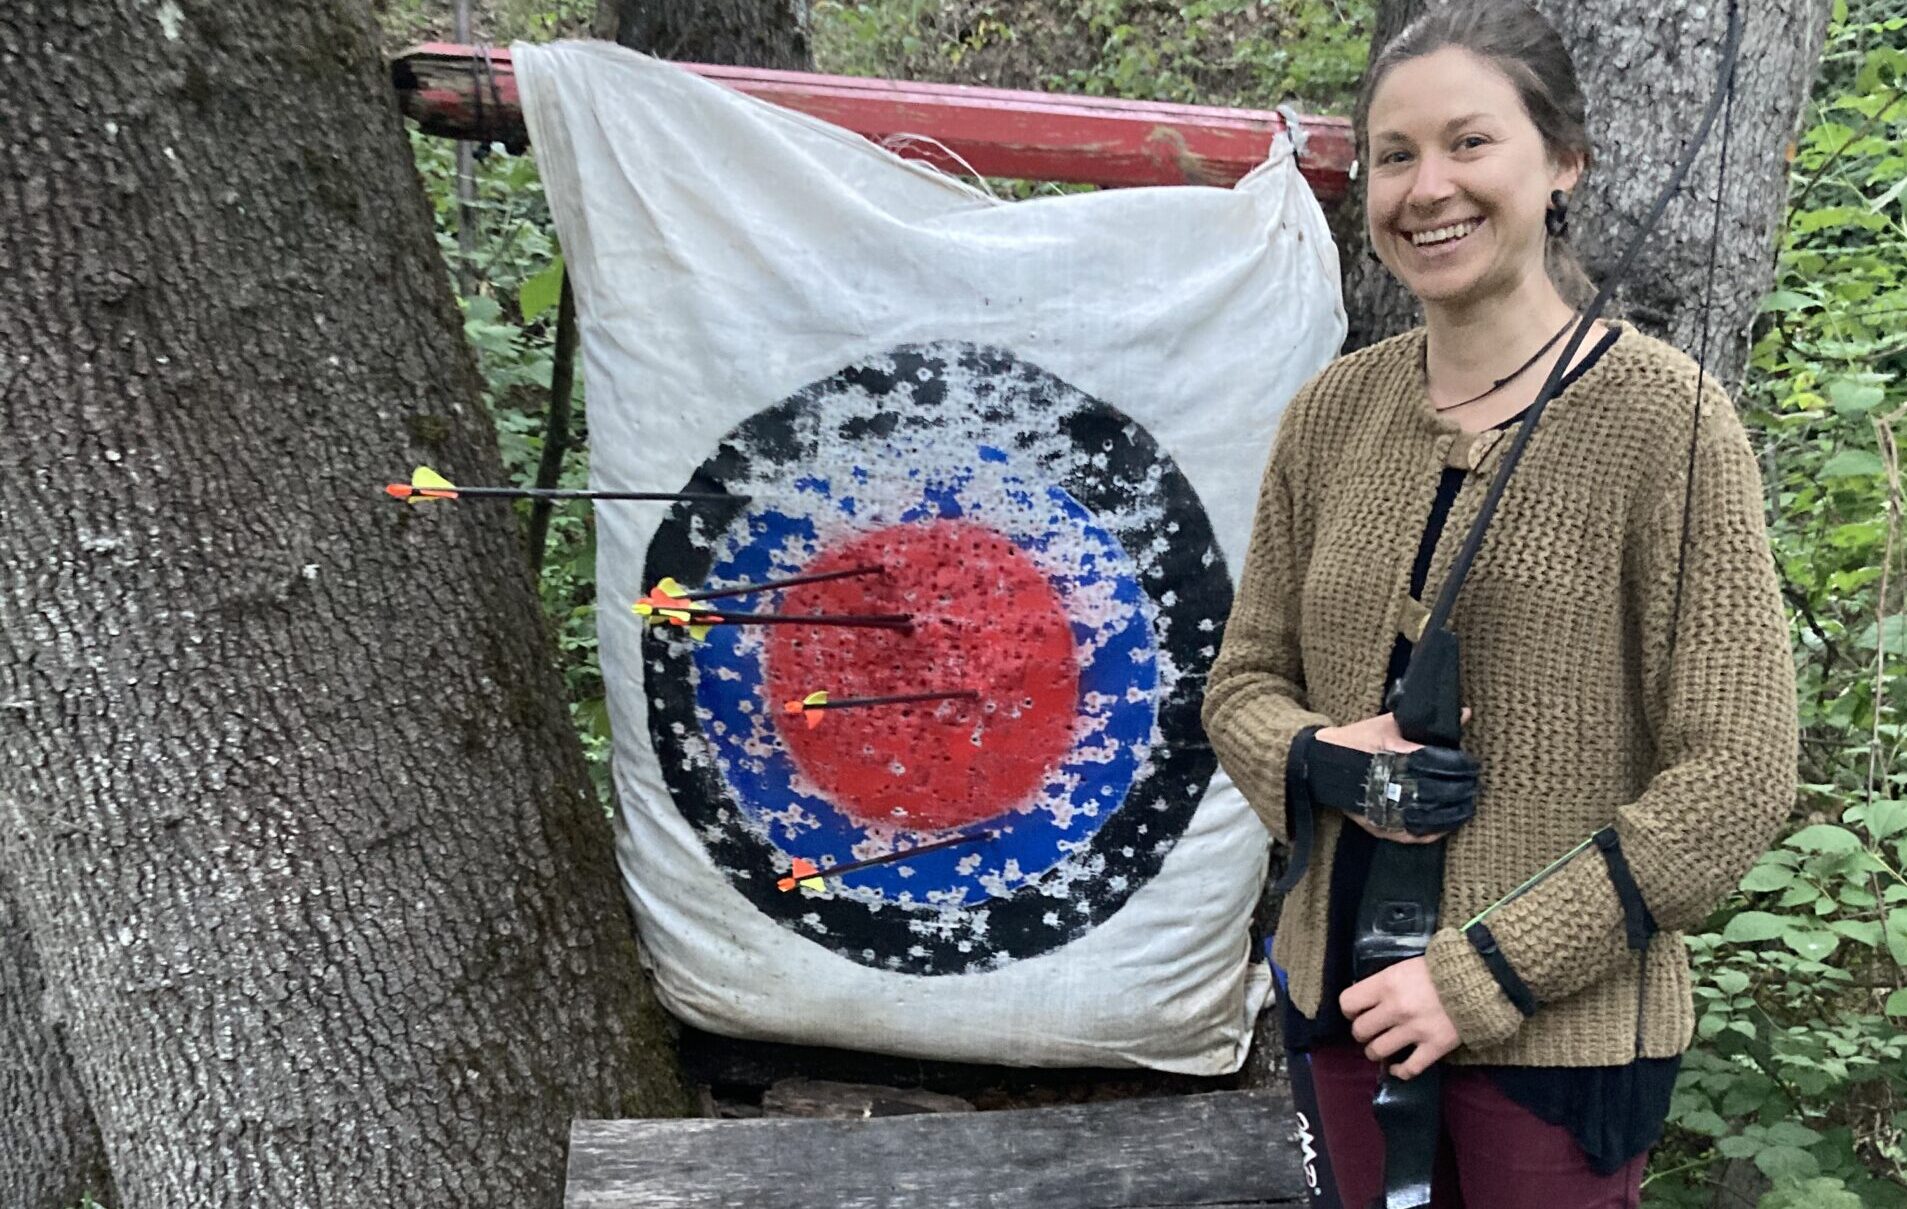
[
  {"x": 1890, "y": 464},
  {"x": 549, "y": 471}
]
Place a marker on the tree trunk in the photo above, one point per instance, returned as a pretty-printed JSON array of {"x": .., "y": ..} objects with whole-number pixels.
[
  {"x": 289, "y": 797},
  {"x": 743, "y": 33},
  {"x": 1648, "y": 69},
  {"x": 50, "y": 1154}
]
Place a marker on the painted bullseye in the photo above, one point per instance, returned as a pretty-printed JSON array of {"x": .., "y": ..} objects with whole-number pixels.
[{"x": 986, "y": 619}]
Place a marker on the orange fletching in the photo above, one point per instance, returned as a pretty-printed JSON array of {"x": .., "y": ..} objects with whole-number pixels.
[{"x": 802, "y": 874}]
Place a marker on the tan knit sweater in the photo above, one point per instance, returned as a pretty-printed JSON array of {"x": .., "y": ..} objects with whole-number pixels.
[{"x": 1582, "y": 716}]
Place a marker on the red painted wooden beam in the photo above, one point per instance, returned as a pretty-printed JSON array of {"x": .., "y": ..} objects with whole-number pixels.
[{"x": 458, "y": 92}]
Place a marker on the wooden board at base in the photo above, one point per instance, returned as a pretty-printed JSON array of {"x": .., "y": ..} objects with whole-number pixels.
[{"x": 1222, "y": 1149}]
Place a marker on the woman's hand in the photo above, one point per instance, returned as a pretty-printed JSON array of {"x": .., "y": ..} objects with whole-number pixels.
[
  {"x": 1398, "y": 1007},
  {"x": 1376, "y": 735},
  {"x": 1372, "y": 735}
]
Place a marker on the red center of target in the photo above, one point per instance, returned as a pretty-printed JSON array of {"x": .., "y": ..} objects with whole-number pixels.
[{"x": 985, "y": 620}]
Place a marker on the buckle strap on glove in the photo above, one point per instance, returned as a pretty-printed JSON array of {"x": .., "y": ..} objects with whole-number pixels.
[{"x": 1425, "y": 791}]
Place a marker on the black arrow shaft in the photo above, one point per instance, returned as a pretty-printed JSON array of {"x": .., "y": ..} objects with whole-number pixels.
[
  {"x": 575, "y": 493},
  {"x": 774, "y": 584},
  {"x": 897, "y": 699},
  {"x": 903, "y": 854}
]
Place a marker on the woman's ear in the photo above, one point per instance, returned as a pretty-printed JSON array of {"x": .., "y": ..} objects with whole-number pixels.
[{"x": 1569, "y": 170}]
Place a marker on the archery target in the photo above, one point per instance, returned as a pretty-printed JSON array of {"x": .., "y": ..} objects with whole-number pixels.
[
  {"x": 1044, "y": 422},
  {"x": 1031, "y": 532}
]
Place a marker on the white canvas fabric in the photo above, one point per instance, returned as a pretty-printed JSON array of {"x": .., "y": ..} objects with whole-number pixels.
[{"x": 1074, "y": 396}]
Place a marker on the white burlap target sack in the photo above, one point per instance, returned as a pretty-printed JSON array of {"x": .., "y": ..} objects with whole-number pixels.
[{"x": 1025, "y": 440}]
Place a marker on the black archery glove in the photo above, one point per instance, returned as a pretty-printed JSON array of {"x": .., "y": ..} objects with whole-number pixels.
[
  {"x": 1444, "y": 780},
  {"x": 1424, "y": 792}
]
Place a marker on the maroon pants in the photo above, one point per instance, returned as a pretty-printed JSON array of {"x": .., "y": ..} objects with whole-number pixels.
[{"x": 1494, "y": 1153}]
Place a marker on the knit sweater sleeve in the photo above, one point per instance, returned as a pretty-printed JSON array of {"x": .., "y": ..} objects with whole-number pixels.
[
  {"x": 1255, "y": 697},
  {"x": 1719, "y": 708}
]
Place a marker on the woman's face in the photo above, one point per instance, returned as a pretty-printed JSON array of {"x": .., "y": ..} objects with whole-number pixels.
[{"x": 1459, "y": 179}]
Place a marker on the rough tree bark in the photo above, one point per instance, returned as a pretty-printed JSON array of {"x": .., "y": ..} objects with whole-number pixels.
[
  {"x": 297, "y": 827},
  {"x": 744, "y": 33},
  {"x": 50, "y": 1154},
  {"x": 1647, "y": 68}
]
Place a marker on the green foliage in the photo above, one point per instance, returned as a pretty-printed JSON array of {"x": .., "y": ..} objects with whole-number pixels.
[
  {"x": 1799, "y": 1066},
  {"x": 1252, "y": 53},
  {"x": 499, "y": 22},
  {"x": 508, "y": 282}
]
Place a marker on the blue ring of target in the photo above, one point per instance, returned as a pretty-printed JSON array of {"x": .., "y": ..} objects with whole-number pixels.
[{"x": 1125, "y": 659}]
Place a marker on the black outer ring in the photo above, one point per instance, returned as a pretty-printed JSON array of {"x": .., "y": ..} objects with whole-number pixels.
[{"x": 1161, "y": 804}]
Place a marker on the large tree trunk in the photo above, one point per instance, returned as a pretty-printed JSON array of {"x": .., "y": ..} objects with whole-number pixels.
[
  {"x": 289, "y": 797},
  {"x": 744, "y": 33},
  {"x": 1648, "y": 68},
  {"x": 50, "y": 1154}
]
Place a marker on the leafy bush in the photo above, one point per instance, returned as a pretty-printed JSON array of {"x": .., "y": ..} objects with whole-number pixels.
[
  {"x": 1799, "y": 1066},
  {"x": 1251, "y": 53}
]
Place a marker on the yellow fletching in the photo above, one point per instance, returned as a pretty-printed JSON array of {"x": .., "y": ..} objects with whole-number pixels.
[
  {"x": 424, "y": 477},
  {"x": 668, "y": 587},
  {"x": 820, "y": 698}
]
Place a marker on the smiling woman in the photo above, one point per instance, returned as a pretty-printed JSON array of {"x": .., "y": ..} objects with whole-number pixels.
[
  {"x": 1628, "y": 673},
  {"x": 1469, "y": 186}
]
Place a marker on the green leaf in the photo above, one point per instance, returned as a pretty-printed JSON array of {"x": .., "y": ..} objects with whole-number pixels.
[
  {"x": 1747, "y": 1094},
  {"x": 1799, "y": 893},
  {"x": 1896, "y": 1002},
  {"x": 1813, "y": 944},
  {"x": 1896, "y": 932},
  {"x": 1854, "y": 396},
  {"x": 1767, "y": 877},
  {"x": 1858, "y": 897},
  {"x": 1885, "y": 817},
  {"x": 1792, "y": 1133},
  {"x": 1820, "y": 1192},
  {"x": 1825, "y": 837},
  {"x": 1786, "y": 300},
  {"x": 1751, "y": 926},
  {"x": 1738, "y": 1147},
  {"x": 1893, "y": 628},
  {"x": 1703, "y": 1121},
  {"x": 1861, "y": 931},
  {"x": 1734, "y": 982},
  {"x": 1787, "y": 1163},
  {"x": 1851, "y": 464},
  {"x": 1884, "y": 200},
  {"x": 539, "y": 293}
]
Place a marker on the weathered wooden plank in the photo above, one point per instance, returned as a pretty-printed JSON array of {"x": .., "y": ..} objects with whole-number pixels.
[
  {"x": 463, "y": 92},
  {"x": 819, "y": 1098},
  {"x": 1220, "y": 1149}
]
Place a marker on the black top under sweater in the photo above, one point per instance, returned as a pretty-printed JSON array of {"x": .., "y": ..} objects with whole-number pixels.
[{"x": 1613, "y": 1112}]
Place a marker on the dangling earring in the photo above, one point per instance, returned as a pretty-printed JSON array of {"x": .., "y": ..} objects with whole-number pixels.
[{"x": 1556, "y": 218}]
